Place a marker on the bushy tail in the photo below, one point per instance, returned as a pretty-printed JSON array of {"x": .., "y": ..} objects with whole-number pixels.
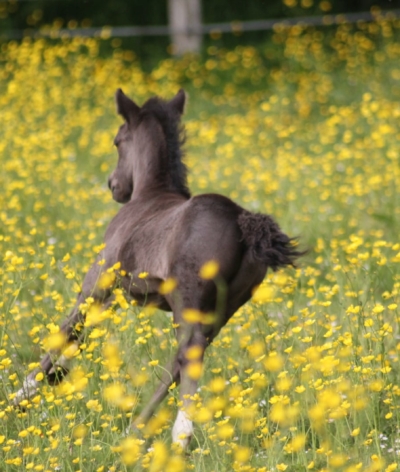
[{"x": 269, "y": 244}]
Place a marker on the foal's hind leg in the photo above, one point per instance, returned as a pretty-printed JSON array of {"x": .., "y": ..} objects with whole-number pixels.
[
  {"x": 189, "y": 336},
  {"x": 170, "y": 375},
  {"x": 191, "y": 351},
  {"x": 193, "y": 340},
  {"x": 249, "y": 275},
  {"x": 178, "y": 372}
]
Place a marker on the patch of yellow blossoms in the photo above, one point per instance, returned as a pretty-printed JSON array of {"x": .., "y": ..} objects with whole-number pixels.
[{"x": 305, "y": 127}]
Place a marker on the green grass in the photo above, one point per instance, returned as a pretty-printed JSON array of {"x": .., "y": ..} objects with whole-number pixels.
[{"x": 304, "y": 127}]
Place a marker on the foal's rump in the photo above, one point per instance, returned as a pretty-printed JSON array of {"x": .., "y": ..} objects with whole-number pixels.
[
  {"x": 224, "y": 231},
  {"x": 212, "y": 233}
]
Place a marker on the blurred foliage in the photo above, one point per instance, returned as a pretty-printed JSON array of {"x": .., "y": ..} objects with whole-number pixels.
[
  {"x": 21, "y": 17},
  {"x": 35, "y": 13}
]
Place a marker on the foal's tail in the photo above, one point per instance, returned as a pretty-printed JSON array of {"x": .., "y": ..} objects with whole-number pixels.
[{"x": 268, "y": 243}]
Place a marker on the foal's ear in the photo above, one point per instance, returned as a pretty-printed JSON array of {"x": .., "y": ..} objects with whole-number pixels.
[
  {"x": 126, "y": 107},
  {"x": 178, "y": 102}
]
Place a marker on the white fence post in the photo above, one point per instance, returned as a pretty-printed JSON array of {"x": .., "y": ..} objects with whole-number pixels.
[{"x": 185, "y": 25}]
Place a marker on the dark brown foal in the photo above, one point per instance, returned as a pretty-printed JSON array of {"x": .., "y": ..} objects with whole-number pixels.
[{"x": 164, "y": 231}]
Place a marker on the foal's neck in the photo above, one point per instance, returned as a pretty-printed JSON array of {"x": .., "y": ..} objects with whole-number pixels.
[
  {"x": 158, "y": 169},
  {"x": 147, "y": 169}
]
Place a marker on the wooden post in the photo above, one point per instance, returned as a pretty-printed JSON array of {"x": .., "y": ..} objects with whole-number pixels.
[{"x": 185, "y": 25}]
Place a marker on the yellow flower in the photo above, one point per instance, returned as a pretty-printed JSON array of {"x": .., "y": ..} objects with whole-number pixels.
[
  {"x": 391, "y": 467},
  {"x": 175, "y": 464},
  {"x": 281, "y": 466},
  {"x": 94, "y": 405},
  {"x": 195, "y": 370},
  {"x": 337, "y": 460},
  {"x": 209, "y": 270},
  {"x": 39, "y": 376},
  {"x": 114, "y": 393},
  {"x": 55, "y": 341},
  {"x": 194, "y": 353},
  {"x": 106, "y": 280},
  {"x": 298, "y": 442},
  {"x": 217, "y": 385},
  {"x": 273, "y": 362},
  {"x": 225, "y": 431},
  {"x": 97, "y": 333},
  {"x": 283, "y": 384},
  {"x": 71, "y": 350},
  {"x": 130, "y": 450},
  {"x": 80, "y": 431},
  {"x": 190, "y": 315},
  {"x": 112, "y": 357},
  {"x": 160, "y": 457},
  {"x": 263, "y": 294},
  {"x": 143, "y": 275},
  {"x": 203, "y": 415},
  {"x": 167, "y": 286},
  {"x": 242, "y": 454},
  {"x": 378, "y": 309},
  {"x": 95, "y": 314},
  {"x": 157, "y": 422}
]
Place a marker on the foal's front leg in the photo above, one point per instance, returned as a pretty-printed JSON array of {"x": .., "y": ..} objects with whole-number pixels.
[
  {"x": 54, "y": 365},
  {"x": 51, "y": 361}
]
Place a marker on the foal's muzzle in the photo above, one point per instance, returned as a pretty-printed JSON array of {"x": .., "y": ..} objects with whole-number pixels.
[{"x": 119, "y": 193}]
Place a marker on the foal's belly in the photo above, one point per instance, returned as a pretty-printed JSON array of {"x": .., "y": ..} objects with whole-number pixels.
[
  {"x": 145, "y": 291},
  {"x": 152, "y": 299}
]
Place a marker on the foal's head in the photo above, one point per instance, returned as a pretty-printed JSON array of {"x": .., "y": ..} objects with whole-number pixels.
[{"x": 148, "y": 144}]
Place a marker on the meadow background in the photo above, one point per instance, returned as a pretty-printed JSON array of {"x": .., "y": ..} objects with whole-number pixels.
[{"x": 304, "y": 126}]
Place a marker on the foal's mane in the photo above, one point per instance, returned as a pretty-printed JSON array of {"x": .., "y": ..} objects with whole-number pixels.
[{"x": 169, "y": 120}]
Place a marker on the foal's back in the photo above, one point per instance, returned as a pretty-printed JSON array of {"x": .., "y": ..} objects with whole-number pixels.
[{"x": 167, "y": 234}]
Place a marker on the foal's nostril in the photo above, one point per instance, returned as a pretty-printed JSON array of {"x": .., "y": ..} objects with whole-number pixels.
[{"x": 110, "y": 185}]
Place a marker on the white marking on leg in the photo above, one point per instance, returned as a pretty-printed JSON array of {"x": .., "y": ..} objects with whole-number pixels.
[
  {"x": 29, "y": 388},
  {"x": 183, "y": 430}
]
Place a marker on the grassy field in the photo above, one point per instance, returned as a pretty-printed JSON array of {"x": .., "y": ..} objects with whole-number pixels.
[{"x": 306, "y": 377}]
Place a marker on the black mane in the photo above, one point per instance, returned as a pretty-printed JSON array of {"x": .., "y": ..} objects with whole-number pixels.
[{"x": 175, "y": 137}]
